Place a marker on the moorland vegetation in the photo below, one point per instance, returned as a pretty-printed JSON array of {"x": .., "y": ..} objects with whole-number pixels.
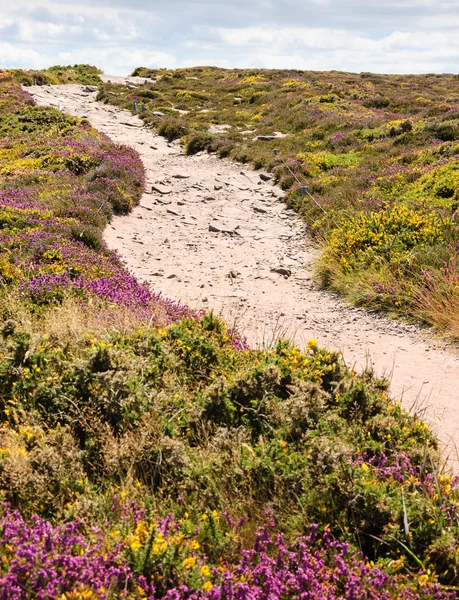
[
  {"x": 58, "y": 75},
  {"x": 147, "y": 452}
]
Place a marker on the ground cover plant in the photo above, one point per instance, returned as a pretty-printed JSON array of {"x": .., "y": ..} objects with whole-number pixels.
[
  {"x": 84, "y": 74},
  {"x": 146, "y": 452},
  {"x": 377, "y": 152}
]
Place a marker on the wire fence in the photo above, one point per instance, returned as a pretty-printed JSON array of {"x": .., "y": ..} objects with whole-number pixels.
[{"x": 303, "y": 188}]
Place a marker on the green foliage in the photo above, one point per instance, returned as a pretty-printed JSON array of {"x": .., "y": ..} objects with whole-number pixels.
[
  {"x": 182, "y": 412},
  {"x": 172, "y": 129},
  {"x": 84, "y": 74},
  {"x": 197, "y": 142},
  {"x": 37, "y": 119}
]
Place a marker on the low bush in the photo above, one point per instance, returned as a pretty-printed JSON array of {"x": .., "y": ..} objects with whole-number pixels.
[
  {"x": 172, "y": 129},
  {"x": 197, "y": 142},
  {"x": 84, "y": 74}
]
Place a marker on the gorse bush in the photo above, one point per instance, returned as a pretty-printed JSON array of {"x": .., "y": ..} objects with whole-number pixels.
[
  {"x": 179, "y": 419},
  {"x": 147, "y": 452},
  {"x": 389, "y": 236}
]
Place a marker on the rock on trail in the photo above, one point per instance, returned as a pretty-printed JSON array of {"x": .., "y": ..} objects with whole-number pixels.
[{"x": 202, "y": 219}]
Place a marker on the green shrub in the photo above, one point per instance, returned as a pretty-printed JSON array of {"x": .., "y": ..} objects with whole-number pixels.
[
  {"x": 90, "y": 235},
  {"x": 172, "y": 129},
  {"x": 198, "y": 141}
]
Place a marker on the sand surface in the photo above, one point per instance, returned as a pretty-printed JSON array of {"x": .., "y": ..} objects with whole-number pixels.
[{"x": 210, "y": 233}]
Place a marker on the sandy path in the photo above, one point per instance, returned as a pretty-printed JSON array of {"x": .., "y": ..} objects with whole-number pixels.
[{"x": 211, "y": 234}]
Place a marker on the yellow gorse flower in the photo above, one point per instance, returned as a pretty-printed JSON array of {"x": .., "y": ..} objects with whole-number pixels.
[
  {"x": 189, "y": 562},
  {"x": 205, "y": 571}
]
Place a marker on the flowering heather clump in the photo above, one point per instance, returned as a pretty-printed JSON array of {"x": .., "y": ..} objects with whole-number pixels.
[
  {"x": 39, "y": 561},
  {"x": 120, "y": 288},
  {"x": 315, "y": 569},
  {"x": 12, "y": 97},
  {"x": 420, "y": 479},
  {"x": 45, "y": 562}
]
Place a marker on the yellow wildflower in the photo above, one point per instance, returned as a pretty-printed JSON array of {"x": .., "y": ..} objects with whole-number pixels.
[
  {"x": 135, "y": 543},
  {"x": 312, "y": 345},
  {"x": 205, "y": 571},
  {"x": 189, "y": 562},
  {"x": 423, "y": 579}
]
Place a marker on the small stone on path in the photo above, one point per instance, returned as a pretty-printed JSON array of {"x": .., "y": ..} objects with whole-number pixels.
[
  {"x": 222, "y": 227},
  {"x": 265, "y": 176},
  {"x": 282, "y": 271},
  {"x": 161, "y": 189}
]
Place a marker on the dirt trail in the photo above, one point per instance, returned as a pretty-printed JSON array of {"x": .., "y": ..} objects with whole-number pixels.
[{"x": 210, "y": 233}]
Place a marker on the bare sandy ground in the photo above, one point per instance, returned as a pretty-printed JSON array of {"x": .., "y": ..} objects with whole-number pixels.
[
  {"x": 124, "y": 80},
  {"x": 212, "y": 234}
]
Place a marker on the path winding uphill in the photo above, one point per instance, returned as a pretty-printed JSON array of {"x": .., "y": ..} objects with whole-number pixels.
[{"x": 212, "y": 234}]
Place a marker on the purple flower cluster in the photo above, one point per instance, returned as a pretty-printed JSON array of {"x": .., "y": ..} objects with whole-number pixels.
[
  {"x": 23, "y": 198},
  {"x": 42, "y": 562},
  {"x": 12, "y": 97},
  {"x": 121, "y": 289},
  {"x": 381, "y": 288},
  {"x": 337, "y": 137},
  {"x": 400, "y": 467},
  {"x": 312, "y": 569}
]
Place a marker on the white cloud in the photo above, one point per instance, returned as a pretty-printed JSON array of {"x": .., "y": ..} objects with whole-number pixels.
[
  {"x": 16, "y": 56},
  {"x": 31, "y": 31},
  {"x": 119, "y": 60},
  {"x": 312, "y": 48},
  {"x": 324, "y": 39}
]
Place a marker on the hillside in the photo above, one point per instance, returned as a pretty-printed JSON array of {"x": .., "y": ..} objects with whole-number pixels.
[
  {"x": 146, "y": 451},
  {"x": 378, "y": 154},
  {"x": 202, "y": 218}
]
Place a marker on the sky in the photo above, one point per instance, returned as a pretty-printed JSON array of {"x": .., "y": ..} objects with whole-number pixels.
[{"x": 382, "y": 36}]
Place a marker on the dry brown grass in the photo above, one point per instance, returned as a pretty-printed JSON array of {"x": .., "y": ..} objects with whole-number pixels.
[
  {"x": 439, "y": 305},
  {"x": 73, "y": 321}
]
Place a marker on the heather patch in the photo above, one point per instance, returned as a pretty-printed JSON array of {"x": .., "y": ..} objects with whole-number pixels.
[{"x": 167, "y": 559}]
